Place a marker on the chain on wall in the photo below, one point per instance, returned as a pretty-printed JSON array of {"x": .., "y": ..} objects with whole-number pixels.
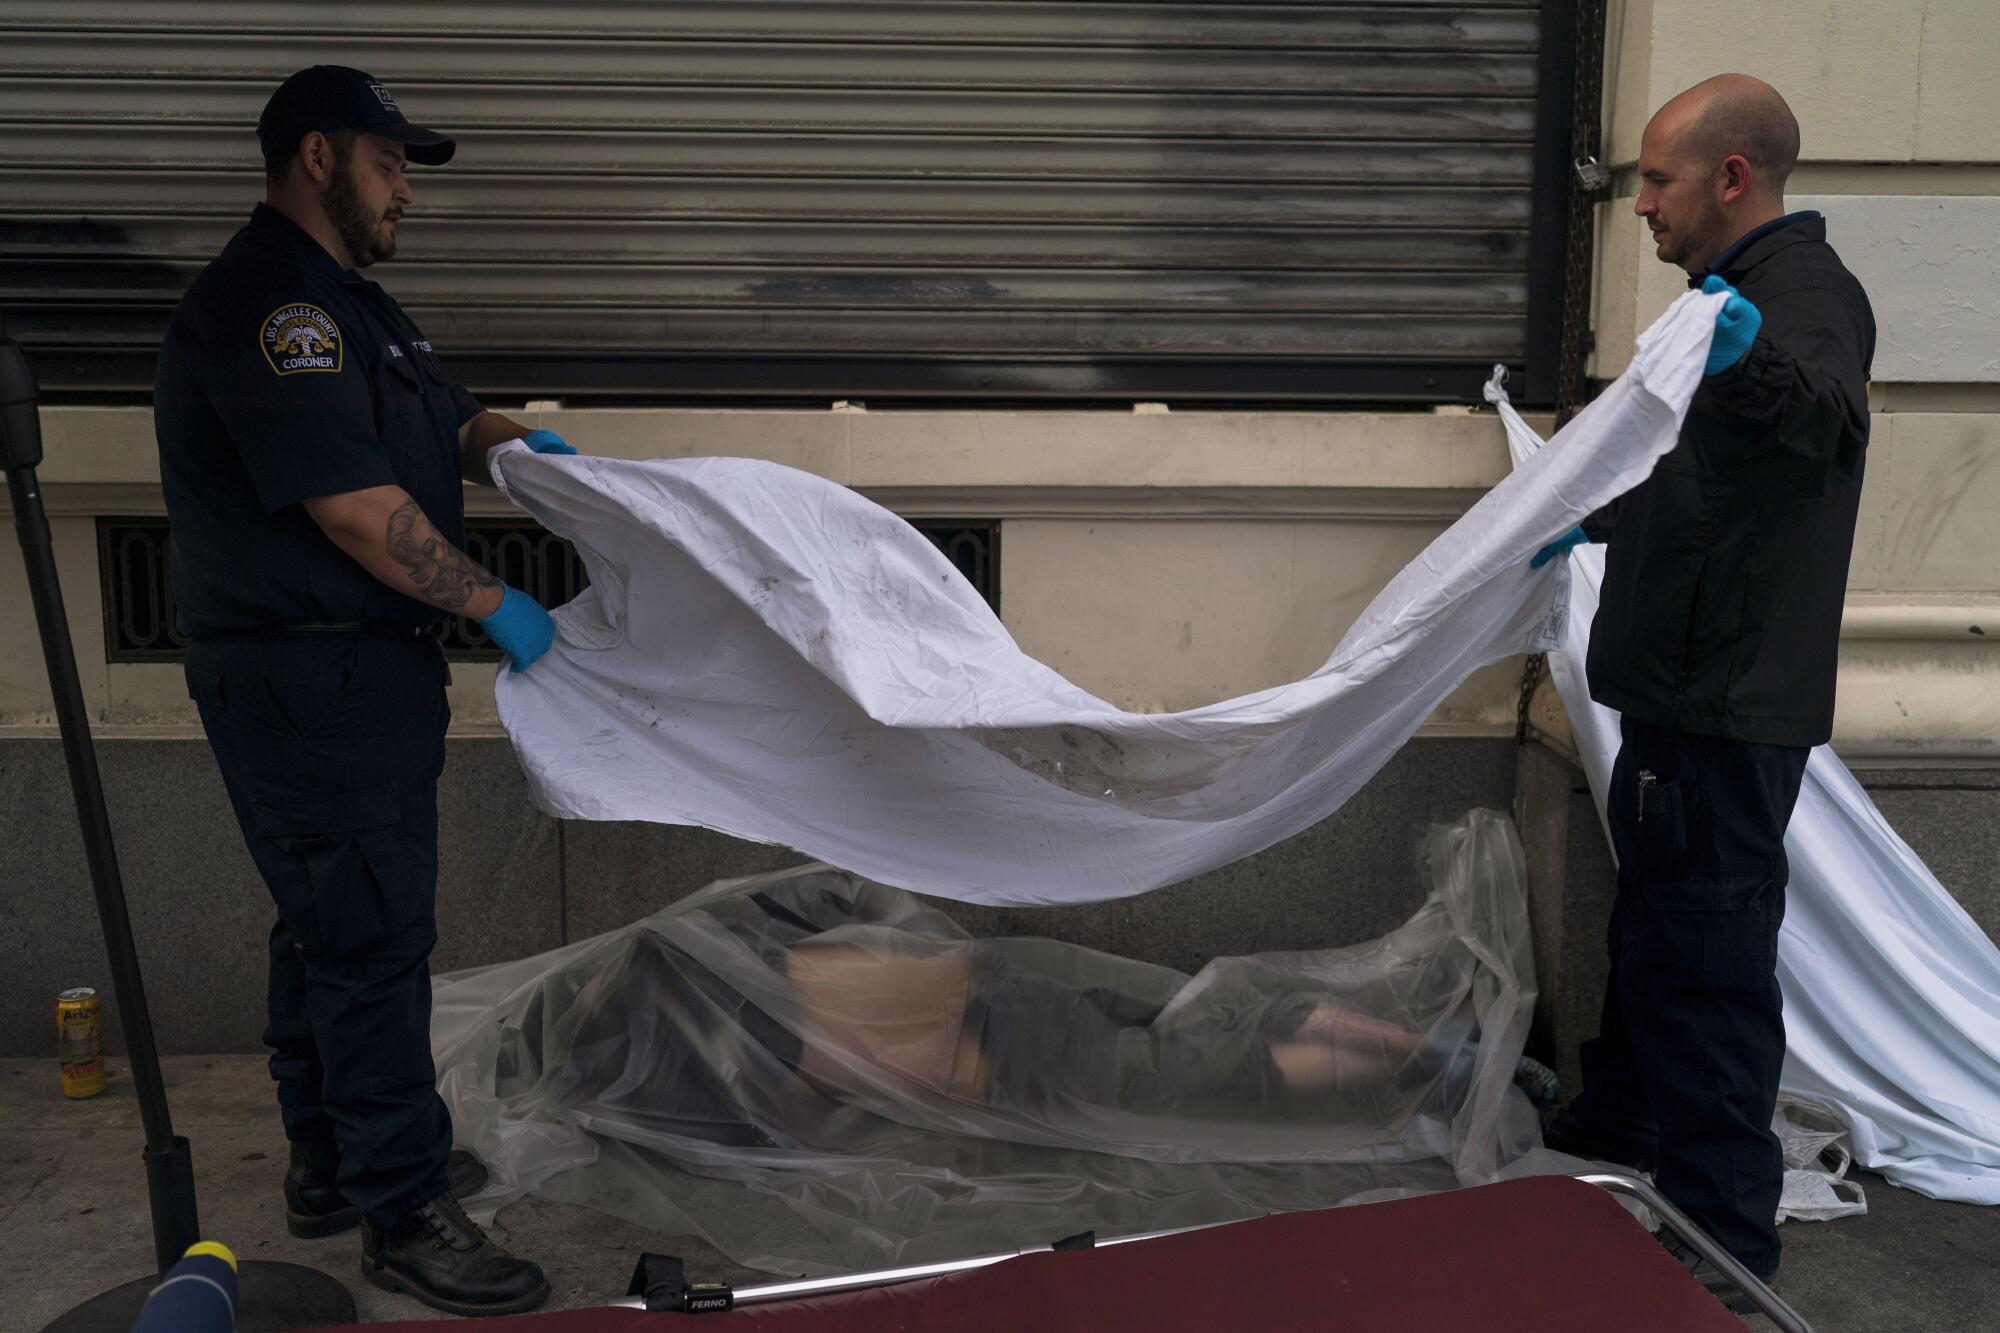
[
  {"x": 1531, "y": 678},
  {"x": 1574, "y": 347},
  {"x": 1575, "y": 338}
]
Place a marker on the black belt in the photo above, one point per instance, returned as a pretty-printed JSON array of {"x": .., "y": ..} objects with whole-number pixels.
[{"x": 381, "y": 628}]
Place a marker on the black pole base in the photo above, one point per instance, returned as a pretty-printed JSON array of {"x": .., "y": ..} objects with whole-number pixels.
[
  {"x": 270, "y": 1297},
  {"x": 170, "y": 1190}
]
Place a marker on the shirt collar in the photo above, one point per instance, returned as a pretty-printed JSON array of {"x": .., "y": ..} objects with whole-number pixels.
[
  {"x": 268, "y": 222},
  {"x": 1722, "y": 263}
]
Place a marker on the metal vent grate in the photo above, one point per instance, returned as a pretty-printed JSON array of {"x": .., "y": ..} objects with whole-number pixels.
[
  {"x": 133, "y": 566},
  {"x": 973, "y": 549},
  {"x": 531, "y": 558},
  {"x": 134, "y": 562}
]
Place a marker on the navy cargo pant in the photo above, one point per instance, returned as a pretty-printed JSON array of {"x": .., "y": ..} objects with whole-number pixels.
[
  {"x": 1684, "y": 1071},
  {"x": 330, "y": 745}
]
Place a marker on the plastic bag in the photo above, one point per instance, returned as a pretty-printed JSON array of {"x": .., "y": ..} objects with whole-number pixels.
[{"x": 1817, "y": 1154}]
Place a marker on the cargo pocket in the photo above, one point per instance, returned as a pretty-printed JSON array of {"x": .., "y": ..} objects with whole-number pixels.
[
  {"x": 1661, "y": 830},
  {"x": 1712, "y": 934},
  {"x": 334, "y": 898}
]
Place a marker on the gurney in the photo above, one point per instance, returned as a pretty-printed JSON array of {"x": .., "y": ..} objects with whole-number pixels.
[{"x": 1540, "y": 1253}]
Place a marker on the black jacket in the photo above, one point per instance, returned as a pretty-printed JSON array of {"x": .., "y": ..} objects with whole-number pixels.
[{"x": 1726, "y": 569}]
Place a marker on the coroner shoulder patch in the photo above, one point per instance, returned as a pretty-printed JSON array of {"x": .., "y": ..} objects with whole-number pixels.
[{"x": 299, "y": 338}]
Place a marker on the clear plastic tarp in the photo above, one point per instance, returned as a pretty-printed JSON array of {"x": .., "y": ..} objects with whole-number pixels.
[{"x": 820, "y": 1073}]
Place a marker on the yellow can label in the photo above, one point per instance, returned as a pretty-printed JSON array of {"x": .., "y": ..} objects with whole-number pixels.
[{"x": 83, "y": 1080}]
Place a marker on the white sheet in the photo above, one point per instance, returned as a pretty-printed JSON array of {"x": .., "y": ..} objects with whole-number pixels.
[
  {"x": 767, "y": 653},
  {"x": 1892, "y": 993}
]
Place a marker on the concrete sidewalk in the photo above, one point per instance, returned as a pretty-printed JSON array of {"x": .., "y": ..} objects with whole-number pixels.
[{"x": 74, "y": 1219}]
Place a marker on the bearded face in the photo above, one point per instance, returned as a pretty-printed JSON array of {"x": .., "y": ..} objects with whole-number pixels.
[
  {"x": 364, "y": 215},
  {"x": 1688, "y": 229}
]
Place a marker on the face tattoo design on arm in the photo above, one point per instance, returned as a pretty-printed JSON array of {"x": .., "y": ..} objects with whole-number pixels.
[{"x": 447, "y": 576}]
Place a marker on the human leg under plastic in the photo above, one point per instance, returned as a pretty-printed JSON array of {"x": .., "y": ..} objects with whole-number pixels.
[{"x": 958, "y": 1020}]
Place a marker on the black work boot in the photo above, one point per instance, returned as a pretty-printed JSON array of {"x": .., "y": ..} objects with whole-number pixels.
[
  {"x": 314, "y": 1205},
  {"x": 438, "y": 1255}
]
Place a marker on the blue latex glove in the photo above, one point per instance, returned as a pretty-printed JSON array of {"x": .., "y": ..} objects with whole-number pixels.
[
  {"x": 521, "y": 627},
  {"x": 1574, "y": 537},
  {"x": 1736, "y": 326},
  {"x": 547, "y": 442}
]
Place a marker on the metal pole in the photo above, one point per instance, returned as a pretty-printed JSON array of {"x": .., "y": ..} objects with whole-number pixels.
[
  {"x": 1768, "y": 1301},
  {"x": 169, "y": 1168},
  {"x": 882, "y": 1277},
  {"x": 271, "y": 1295}
]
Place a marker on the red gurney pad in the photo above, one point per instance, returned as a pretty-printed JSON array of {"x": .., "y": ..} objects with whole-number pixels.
[{"x": 1523, "y": 1256}]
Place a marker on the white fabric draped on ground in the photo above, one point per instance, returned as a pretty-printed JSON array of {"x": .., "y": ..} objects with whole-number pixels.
[
  {"x": 766, "y": 653},
  {"x": 1892, "y": 993}
]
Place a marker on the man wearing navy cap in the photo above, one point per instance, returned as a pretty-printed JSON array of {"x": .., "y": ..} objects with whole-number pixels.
[{"x": 312, "y": 448}]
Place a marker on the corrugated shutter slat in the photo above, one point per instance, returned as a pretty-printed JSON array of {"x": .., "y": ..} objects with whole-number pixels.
[{"x": 1071, "y": 194}]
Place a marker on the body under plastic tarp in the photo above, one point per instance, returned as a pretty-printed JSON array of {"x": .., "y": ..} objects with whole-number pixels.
[
  {"x": 820, "y": 1073},
  {"x": 766, "y": 653}
]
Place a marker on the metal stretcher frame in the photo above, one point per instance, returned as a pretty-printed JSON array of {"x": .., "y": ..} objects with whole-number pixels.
[
  {"x": 699, "y": 1297},
  {"x": 1759, "y": 1293}
]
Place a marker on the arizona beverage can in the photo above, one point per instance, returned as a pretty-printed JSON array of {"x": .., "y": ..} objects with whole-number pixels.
[{"x": 82, "y": 1046}]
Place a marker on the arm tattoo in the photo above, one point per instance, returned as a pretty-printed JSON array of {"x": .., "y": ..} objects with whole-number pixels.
[{"x": 444, "y": 575}]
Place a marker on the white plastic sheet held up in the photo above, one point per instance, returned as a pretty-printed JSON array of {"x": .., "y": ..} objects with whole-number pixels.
[
  {"x": 768, "y": 654},
  {"x": 1892, "y": 993}
]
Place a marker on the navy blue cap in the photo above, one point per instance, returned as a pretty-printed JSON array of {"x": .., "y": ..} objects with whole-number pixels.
[{"x": 333, "y": 97}]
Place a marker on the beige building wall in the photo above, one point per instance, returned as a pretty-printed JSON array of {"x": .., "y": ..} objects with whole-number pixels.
[
  {"x": 1164, "y": 560},
  {"x": 1899, "y": 114}
]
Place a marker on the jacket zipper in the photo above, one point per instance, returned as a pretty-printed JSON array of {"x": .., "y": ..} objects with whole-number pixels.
[{"x": 1646, "y": 779}]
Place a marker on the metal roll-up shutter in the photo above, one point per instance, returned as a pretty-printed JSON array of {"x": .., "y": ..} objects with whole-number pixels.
[{"x": 992, "y": 199}]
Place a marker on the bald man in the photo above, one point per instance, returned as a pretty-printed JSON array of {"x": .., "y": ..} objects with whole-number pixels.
[{"x": 1717, "y": 639}]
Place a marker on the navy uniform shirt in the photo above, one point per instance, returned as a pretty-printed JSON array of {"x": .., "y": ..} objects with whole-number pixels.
[
  {"x": 284, "y": 376},
  {"x": 1722, "y": 263},
  {"x": 1725, "y": 573}
]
